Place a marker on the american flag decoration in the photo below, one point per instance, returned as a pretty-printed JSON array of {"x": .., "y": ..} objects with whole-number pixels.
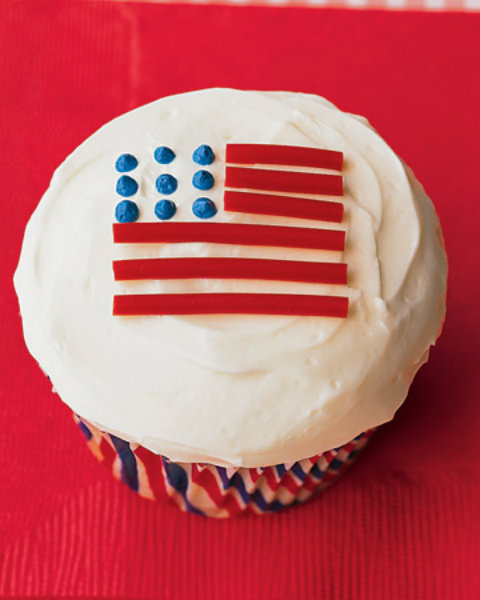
[{"x": 255, "y": 184}]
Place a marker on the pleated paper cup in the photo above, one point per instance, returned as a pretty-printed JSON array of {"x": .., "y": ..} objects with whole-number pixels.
[{"x": 214, "y": 491}]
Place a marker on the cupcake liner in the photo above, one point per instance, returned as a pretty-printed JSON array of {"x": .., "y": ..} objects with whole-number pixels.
[{"x": 213, "y": 491}]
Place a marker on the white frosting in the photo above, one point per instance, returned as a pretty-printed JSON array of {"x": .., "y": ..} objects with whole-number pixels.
[{"x": 232, "y": 390}]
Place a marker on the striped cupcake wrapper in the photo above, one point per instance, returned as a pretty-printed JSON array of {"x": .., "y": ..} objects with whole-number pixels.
[{"x": 213, "y": 491}]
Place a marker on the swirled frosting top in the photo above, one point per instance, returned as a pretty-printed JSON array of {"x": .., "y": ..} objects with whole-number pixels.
[{"x": 246, "y": 390}]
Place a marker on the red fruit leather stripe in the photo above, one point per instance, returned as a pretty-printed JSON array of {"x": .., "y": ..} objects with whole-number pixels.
[
  {"x": 282, "y": 206},
  {"x": 284, "y": 181},
  {"x": 284, "y": 155},
  {"x": 259, "y": 304},
  {"x": 228, "y": 233},
  {"x": 230, "y": 268}
]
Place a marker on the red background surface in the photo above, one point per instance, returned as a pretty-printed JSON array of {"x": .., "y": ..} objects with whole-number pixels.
[{"x": 405, "y": 522}]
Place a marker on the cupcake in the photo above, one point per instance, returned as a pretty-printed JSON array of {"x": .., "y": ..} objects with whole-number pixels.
[{"x": 231, "y": 290}]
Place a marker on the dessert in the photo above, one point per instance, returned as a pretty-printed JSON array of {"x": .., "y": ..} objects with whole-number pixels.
[{"x": 231, "y": 290}]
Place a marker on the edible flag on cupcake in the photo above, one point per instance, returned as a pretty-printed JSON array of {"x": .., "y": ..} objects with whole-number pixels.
[{"x": 260, "y": 179}]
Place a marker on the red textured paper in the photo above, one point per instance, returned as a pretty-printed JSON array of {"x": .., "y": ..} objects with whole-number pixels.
[{"x": 404, "y": 523}]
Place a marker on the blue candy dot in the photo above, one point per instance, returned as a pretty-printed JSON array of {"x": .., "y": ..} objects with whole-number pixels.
[
  {"x": 166, "y": 184},
  {"x": 126, "y": 162},
  {"x": 204, "y": 155},
  {"x": 165, "y": 209},
  {"x": 126, "y": 211},
  {"x": 164, "y": 155},
  {"x": 203, "y": 180},
  {"x": 204, "y": 208},
  {"x": 126, "y": 186}
]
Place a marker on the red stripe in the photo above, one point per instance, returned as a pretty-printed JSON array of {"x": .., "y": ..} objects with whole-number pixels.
[
  {"x": 255, "y": 475},
  {"x": 271, "y": 478},
  {"x": 108, "y": 453},
  {"x": 282, "y": 206},
  {"x": 153, "y": 471},
  {"x": 329, "y": 456},
  {"x": 284, "y": 155},
  {"x": 290, "y": 484},
  {"x": 229, "y": 233},
  {"x": 225, "y": 499},
  {"x": 310, "y": 484},
  {"x": 230, "y": 268},
  {"x": 196, "y": 304},
  {"x": 293, "y": 182}
]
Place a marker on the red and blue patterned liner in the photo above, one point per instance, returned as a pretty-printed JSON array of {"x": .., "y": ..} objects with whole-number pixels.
[{"x": 209, "y": 490}]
